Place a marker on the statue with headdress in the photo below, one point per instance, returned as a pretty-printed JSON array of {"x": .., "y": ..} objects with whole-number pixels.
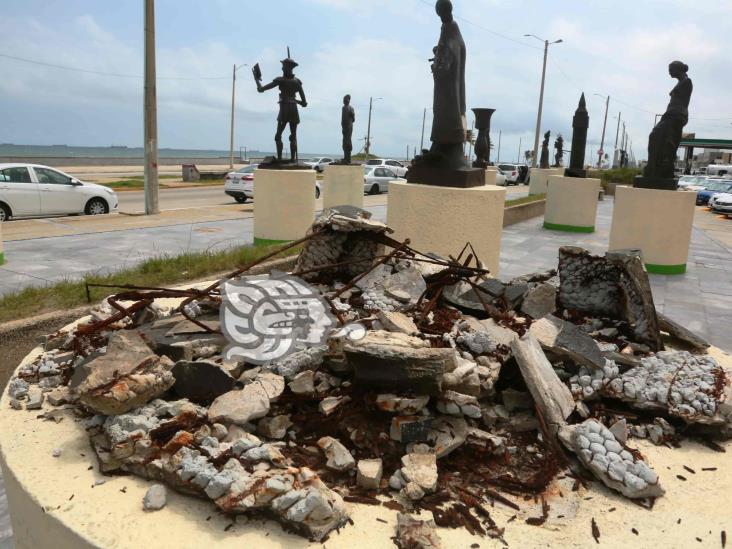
[
  {"x": 290, "y": 87},
  {"x": 559, "y": 151},
  {"x": 544, "y": 158}
]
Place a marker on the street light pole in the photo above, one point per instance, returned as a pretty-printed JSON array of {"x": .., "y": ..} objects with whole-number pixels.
[
  {"x": 541, "y": 96},
  {"x": 617, "y": 134},
  {"x": 151, "y": 114},
  {"x": 604, "y": 127},
  {"x": 368, "y": 135},
  {"x": 518, "y": 158},
  {"x": 233, "y": 106}
]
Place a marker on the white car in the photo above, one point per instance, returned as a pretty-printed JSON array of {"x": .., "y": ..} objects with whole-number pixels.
[
  {"x": 394, "y": 165},
  {"x": 240, "y": 184},
  {"x": 721, "y": 203},
  {"x": 511, "y": 171},
  {"x": 319, "y": 164},
  {"x": 376, "y": 179},
  {"x": 31, "y": 190}
]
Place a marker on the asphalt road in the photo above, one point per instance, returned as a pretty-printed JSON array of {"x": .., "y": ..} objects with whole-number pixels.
[{"x": 171, "y": 199}]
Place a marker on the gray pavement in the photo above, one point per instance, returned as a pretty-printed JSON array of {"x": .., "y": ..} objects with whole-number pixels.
[
  {"x": 6, "y": 532},
  {"x": 184, "y": 197}
]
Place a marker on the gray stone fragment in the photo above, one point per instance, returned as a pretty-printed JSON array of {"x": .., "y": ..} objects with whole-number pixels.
[
  {"x": 416, "y": 534},
  {"x": 18, "y": 388},
  {"x": 401, "y": 405},
  {"x": 393, "y": 321},
  {"x": 540, "y": 301},
  {"x": 274, "y": 427},
  {"x": 240, "y": 407},
  {"x": 201, "y": 381},
  {"x": 420, "y": 469},
  {"x": 338, "y": 456},
  {"x": 156, "y": 498},
  {"x": 566, "y": 340},
  {"x": 35, "y": 399},
  {"x": 303, "y": 383}
]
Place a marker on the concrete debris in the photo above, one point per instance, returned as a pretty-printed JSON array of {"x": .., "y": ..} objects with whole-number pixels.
[
  {"x": 540, "y": 301},
  {"x": 18, "y": 389},
  {"x": 680, "y": 333},
  {"x": 274, "y": 427},
  {"x": 416, "y": 534},
  {"x": 35, "y": 399},
  {"x": 303, "y": 383},
  {"x": 456, "y": 404},
  {"x": 339, "y": 458},
  {"x": 565, "y": 340},
  {"x": 201, "y": 381},
  {"x": 330, "y": 404},
  {"x": 156, "y": 498},
  {"x": 307, "y": 359},
  {"x": 369, "y": 473},
  {"x": 447, "y": 435},
  {"x": 408, "y": 429},
  {"x": 240, "y": 407},
  {"x": 610, "y": 461},
  {"x": 401, "y": 405},
  {"x": 419, "y": 472},
  {"x": 393, "y": 321}
]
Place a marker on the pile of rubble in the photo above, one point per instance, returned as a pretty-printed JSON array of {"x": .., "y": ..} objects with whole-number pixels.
[{"x": 460, "y": 388}]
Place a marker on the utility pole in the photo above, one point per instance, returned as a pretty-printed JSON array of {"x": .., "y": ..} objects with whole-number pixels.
[
  {"x": 498, "y": 154},
  {"x": 368, "y": 135},
  {"x": 541, "y": 96},
  {"x": 424, "y": 119},
  {"x": 518, "y": 158},
  {"x": 151, "y": 114},
  {"x": 617, "y": 134},
  {"x": 233, "y": 106},
  {"x": 601, "y": 152}
]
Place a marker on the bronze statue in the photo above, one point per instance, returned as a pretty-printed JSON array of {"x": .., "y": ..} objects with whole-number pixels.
[
  {"x": 445, "y": 164},
  {"x": 665, "y": 138},
  {"x": 348, "y": 117},
  {"x": 580, "y": 124},
  {"x": 544, "y": 158},
  {"x": 559, "y": 151},
  {"x": 289, "y": 87}
]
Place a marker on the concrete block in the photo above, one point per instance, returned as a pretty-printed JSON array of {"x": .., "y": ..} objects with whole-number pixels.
[
  {"x": 284, "y": 205},
  {"x": 571, "y": 204},
  {"x": 656, "y": 222},
  {"x": 539, "y": 179},
  {"x": 443, "y": 219},
  {"x": 343, "y": 186}
]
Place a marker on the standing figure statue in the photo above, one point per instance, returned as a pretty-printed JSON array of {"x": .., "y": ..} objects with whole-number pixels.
[
  {"x": 559, "y": 151},
  {"x": 348, "y": 117},
  {"x": 445, "y": 163},
  {"x": 289, "y": 87},
  {"x": 544, "y": 159},
  {"x": 663, "y": 143}
]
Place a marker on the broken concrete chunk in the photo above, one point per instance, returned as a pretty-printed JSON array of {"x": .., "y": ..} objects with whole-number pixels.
[
  {"x": 181, "y": 339},
  {"x": 401, "y": 405},
  {"x": 35, "y": 398},
  {"x": 515, "y": 293},
  {"x": 416, "y": 534},
  {"x": 273, "y": 385},
  {"x": 201, "y": 381},
  {"x": 566, "y": 340},
  {"x": 610, "y": 462},
  {"x": 18, "y": 388},
  {"x": 420, "y": 469},
  {"x": 448, "y": 434},
  {"x": 274, "y": 427},
  {"x": 369, "y": 473},
  {"x": 540, "y": 301},
  {"x": 404, "y": 363},
  {"x": 59, "y": 396},
  {"x": 393, "y": 321},
  {"x": 677, "y": 331},
  {"x": 479, "y": 438},
  {"x": 303, "y": 383},
  {"x": 156, "y": 498},
  {"x": 456, "y": 404},
  {"x": 240, "y": 407},
  {"x": 339, "y": 458},
  {"x": 330, "y": 404},
  {"x": 551, "y": 396}
]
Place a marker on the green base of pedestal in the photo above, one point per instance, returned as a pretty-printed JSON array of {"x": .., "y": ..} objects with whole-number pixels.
[
  {"x": 568, "y": 228},
  {"x": 666, "y": 269},
  {"x": 263, "y": 242},
  {"x": 2, "y": 258}
]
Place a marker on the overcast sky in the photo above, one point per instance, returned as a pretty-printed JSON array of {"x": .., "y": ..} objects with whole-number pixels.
[{"x": 376, "y": 48}]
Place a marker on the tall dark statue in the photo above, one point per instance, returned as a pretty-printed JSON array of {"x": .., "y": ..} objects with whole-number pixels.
[
  {"x": 663, "y": 143},
  {"x": 559, "y": 151},
  {"x": 289, "y": 87},
  {"x": 445, "y": 164},
  {"x": 580, "y": 124},
  {"x": 544, "y": 158},
  {"x": 483, "y": 141},
  {"x": 348, "y": 117}
]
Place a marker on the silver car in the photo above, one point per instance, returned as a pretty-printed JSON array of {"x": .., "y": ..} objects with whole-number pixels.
[{"x": 376, "y": 179}]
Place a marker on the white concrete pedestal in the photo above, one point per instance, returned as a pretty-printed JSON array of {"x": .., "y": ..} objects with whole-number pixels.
[
  {"x": 2, "y": 252},
  {"x": 443, "y": 219},
  {"x": 491, "y": 174},
  {"x": 656, "y": 222},
  {"x": 539, "y": 178},
  {"x": 284, "y": 205},
  {"x": 571, "y": 204},
  {"x": 343, "y": 186}
]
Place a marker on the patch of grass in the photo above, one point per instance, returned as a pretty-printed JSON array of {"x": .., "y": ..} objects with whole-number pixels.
[
  {"x": 163, "y": 271},
  {"x": 525, "y": 200}
]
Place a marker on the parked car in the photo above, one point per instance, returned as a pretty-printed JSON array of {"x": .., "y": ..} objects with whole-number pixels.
[
  {"x": 702, "y": 197},
  {"x": 512, "y": 173},
  {"x": 721, "y": 203},
  {"x": 376, "y": 179},
  {"x": 394, "y": 165},
  {"x": 32, "y": 190},
  {"x": 689, "y": 180},
  {"x": 319, "y": 164},
  {"x": 500, "y": 178},
  {"x": 240, "y": 184}
]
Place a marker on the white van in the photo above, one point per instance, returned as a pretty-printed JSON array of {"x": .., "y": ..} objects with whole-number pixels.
[{"x": 719, "y": 169}]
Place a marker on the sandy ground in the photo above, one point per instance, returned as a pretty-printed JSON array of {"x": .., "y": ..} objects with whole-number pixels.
[{"x": 694, "y": 512}]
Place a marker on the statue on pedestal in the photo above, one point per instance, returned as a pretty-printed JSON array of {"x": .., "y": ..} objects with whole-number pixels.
[
  {"x": 348, "y": 117},
  {"x": 445, "y": 164},
  {"x": 665, "y": 138},
  {"x": 544, "y": 158},
  {"x": 580, "y": 124},
  {"x": 289, "y": 87},
  {"x": 559, "y": 151}
]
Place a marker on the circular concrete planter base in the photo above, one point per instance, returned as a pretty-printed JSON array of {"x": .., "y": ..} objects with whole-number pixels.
[{"x": 284, "y": 205}]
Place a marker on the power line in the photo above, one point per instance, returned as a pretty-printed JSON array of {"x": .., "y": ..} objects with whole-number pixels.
[{"x": 102, "y": 73}]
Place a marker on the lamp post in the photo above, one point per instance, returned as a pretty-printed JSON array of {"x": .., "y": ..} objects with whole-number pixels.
[
  {"x": 617, "y": 134},
  {"x": 518, "y": 158},
  {"x": 604, "y": 127},
  {"x": 541, "y": 94},
  {"x": 368, "y": 135},
  {"x": 152, "y": 183},
  {"x": 233, "y": 106}
]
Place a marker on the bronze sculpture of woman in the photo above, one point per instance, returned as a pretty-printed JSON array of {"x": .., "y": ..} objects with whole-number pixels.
[{"x": 665, "y": 138}]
